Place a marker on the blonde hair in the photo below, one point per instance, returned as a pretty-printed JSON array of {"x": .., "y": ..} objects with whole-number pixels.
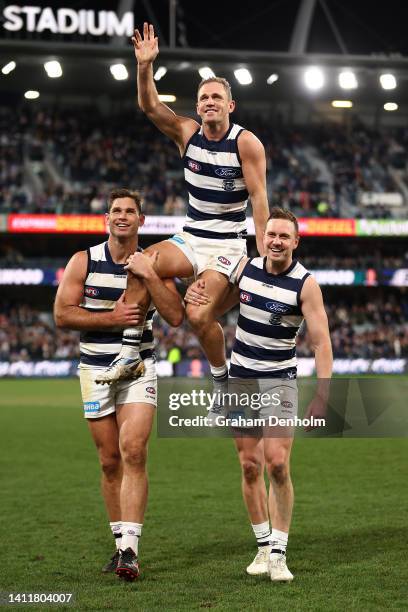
[{"x": 220, "y": 80}]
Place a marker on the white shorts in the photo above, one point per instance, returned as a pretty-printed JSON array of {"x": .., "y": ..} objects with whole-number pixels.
[
  {"x": 263, "y": 398},
  {"x": 100, "y": 400},
  {"x": 208, "y": 254}
]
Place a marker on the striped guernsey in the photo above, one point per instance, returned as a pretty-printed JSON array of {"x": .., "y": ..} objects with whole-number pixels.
[
  {"x": 269, "y": 320},
  {"x": 216, "y": 186},
  {"x": 104, "y": 284}
]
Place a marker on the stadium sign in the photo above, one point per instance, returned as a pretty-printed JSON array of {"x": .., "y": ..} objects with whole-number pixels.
[{"x": 66, "y": 21}]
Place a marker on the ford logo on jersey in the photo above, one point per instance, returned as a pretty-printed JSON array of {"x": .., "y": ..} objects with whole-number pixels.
[
  {"x": 275, "y": 307},
  {"x": 91, "y": 291},
  {"x": 226, "y": 172},
  {"x": 193, "y": 165},
  {"x": 245, "y": 297}
]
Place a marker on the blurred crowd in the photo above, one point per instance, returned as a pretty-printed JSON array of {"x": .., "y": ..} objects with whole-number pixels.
[
  {"x": 372, "y": 329},
  {"x": 75, "y": 156}
]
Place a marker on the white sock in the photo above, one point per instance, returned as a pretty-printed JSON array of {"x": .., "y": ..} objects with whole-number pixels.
[
  {"x": 131, "y": 339},
  {"x": 279, "y": 541},
  {"x": 131, "y": 533},
  {"x": 262, "y": 533},
  {"x": 219, "y": 373},
  {"x": 116, "y": 528}
]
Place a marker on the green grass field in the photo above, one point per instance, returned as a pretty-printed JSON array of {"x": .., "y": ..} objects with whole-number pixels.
[{"x": 347, "y": 546}]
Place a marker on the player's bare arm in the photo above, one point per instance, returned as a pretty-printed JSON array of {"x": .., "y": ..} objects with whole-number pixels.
[
  {"x": 252, "y": 153},
  {"x": 162, "y": 291},
  {"x": 317, "y": 324},
  {"x": 179, "y": 129},
  {"x": 70, "y": 315},
  {"x": 318, "y": 328}
]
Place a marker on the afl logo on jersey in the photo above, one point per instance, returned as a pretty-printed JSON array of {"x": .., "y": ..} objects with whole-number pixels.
[
  {"x": 151, "y": 390},
  {"x": 193, "y": 165},
  {"x": 91, "y": 291},
  {"x": 226, "y": 172},
  {"x": 224, "y": 260},
  {"x": 245, "y": 297}
]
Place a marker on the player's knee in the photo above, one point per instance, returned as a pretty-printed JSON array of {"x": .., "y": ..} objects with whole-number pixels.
[
  {"x": 251, "y": 470},
  {"x": 278, "y": 472},
  {"x": 198, "y": 317},
  {"x": 111, "y": 465},
  {"x": 134, "y": 454}
]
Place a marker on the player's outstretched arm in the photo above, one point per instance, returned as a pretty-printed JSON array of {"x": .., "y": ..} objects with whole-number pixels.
[
  {"x": 163, "y": 292},
  {"x": 180, "y": 129},
  {"x": 252, "y": 153},
  {"x": 69, "y": 314}
]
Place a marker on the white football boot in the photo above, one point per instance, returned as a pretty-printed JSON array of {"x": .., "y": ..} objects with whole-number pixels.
[
  {"x": 278, "y": 570},
  {"x": 260, "y": 565}
]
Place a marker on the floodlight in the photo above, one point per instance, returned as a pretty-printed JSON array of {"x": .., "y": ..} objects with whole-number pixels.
[
  {"x": 119, "y": 72},
  {"x": 53, "y": 69},
  {"x": 160, "y": 72},
  {"x": 243, "y": 76},
  {"x": 314, "y": 78},
  {"x": 8, "y": 67},
  {"x": 205, "y": 72},
  {"x": 388, "y": 81},
  {"x": 347, "y": 80}
]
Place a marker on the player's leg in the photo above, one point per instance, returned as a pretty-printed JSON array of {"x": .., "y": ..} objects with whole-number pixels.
[
  {"x": 171, "y": 262},
  {"x": 277, "y": 459},
  {"x": 134, "y": 423},
  {"x": 203, "y": 318},
  {"x": 106, "y": 437},
  {"x": 251, "y": 456},
  {"x": 99, "y": 410}
]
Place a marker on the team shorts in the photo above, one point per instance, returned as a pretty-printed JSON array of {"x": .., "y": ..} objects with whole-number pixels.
[
  {"x": 271, "y": 402},
  {"x": 207, "y": 254},
  {"x": 100, "y": 400}
]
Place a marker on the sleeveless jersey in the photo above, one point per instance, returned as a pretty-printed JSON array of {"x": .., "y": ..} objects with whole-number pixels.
[
  {"x": 217, "y": 192},
  {"x": 104, "y": 284},
  {"x": 269, "y": 320}
]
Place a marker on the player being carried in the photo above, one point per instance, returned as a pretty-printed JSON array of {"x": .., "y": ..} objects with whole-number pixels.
[{"x": 224, "y": 164}]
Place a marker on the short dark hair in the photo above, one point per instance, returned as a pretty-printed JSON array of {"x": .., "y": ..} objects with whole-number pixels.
[
  {"x": 125, "y": 193},
  {"x": 282, "y": 213},
  {"x": 220, "y": 80}
]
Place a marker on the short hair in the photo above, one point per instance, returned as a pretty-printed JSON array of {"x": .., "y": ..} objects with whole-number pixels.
[
  {"x": 282, "y": 213},
  {"x": 125, "y": 193},
  {"x": 220, "y": 80}
]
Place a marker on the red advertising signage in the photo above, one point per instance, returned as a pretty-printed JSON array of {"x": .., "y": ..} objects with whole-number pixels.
[{"x": 56, "y": 224}]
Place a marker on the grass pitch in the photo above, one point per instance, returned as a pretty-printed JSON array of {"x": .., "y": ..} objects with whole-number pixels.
[{"x": 347, "y": 546}]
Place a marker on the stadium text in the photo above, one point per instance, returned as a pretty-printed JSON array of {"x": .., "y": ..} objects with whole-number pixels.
[{"x": 67, "y": 21}]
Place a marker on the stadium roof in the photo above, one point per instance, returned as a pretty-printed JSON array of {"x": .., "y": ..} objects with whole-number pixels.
[{"x": 265, "y": 37}]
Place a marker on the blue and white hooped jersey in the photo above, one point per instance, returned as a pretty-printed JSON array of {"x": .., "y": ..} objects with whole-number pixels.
[
  {"x": 269, "y": 320},
  {"x": 104, "y": 284},
  {"x": 217, "y": 192}
]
